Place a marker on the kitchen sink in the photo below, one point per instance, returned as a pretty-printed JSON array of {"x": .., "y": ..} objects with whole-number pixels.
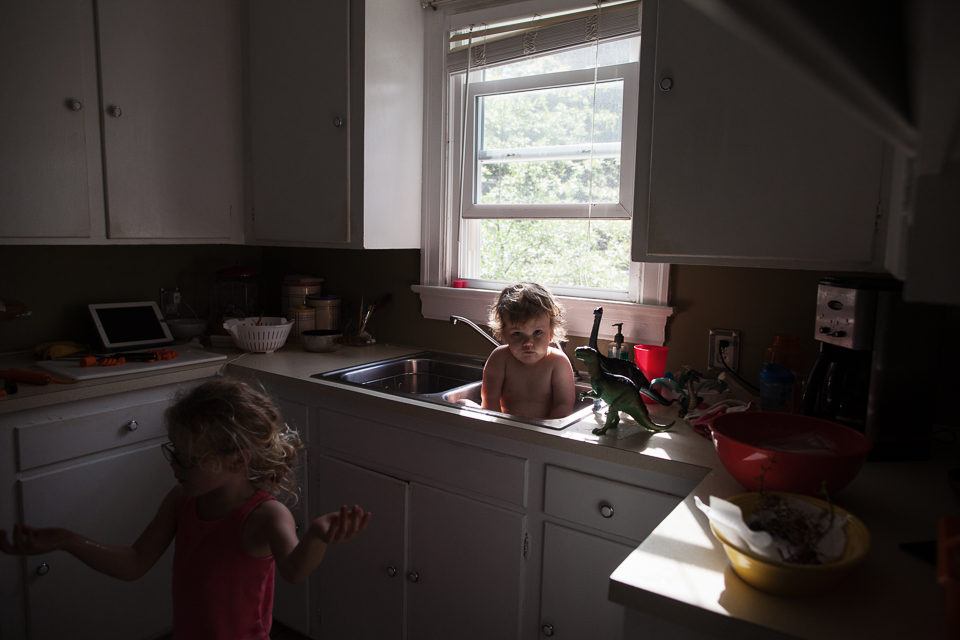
[
  {"x": 581, "y": 408},
  {"x": 418, "y": 375},
  {"x": 443, "y": 379}
]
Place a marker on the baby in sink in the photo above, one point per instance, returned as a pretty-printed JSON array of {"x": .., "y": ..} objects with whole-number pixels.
[{"x": 526, "y": 376}]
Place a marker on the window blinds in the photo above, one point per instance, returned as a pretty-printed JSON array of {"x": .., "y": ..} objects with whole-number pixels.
[{"x": 500, "y": 44}]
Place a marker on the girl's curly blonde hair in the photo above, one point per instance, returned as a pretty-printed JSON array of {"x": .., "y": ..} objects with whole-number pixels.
[
  {"x": 520, "y": 303},
  {"x": 226, "y": 415}
]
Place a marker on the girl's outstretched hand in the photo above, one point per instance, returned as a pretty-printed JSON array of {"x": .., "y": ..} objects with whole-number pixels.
[
  {"x": 29, "y": 541},
  {"x": 342, "y": 525}
]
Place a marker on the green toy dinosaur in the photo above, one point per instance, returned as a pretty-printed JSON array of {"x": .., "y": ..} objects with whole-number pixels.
[{"x": 619, "y": 392}]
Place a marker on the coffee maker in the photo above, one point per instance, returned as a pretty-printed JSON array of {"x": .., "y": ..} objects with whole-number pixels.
[{"x": 862, "y": 377}]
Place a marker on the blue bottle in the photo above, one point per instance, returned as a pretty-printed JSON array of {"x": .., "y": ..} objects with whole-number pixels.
[{"x": 776, "y": 388}]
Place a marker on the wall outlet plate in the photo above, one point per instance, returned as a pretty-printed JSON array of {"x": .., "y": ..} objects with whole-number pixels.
[{"x": 731, "y": 354}]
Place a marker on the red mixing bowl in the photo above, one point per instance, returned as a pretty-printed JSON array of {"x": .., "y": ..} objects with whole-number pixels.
[{"x": 792, "y": 453}]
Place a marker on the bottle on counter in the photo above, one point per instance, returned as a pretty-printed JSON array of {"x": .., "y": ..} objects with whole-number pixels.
[
  {"x": 776, "y": 388},
  {"x": 616, "y": 348},
  {"x": 786, "y": 351}
]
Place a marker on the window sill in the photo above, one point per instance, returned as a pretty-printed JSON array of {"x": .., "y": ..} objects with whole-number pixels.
[{"x": 642, "y": 323}]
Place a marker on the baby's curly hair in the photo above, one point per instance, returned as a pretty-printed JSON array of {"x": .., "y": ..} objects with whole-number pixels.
[
  {"x": 225, "y": 415},
  {"x": 520, "y": 303}
]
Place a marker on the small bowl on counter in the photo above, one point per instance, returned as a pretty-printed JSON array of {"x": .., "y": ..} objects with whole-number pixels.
[
  {"x": 321, "y": 340},
  {"x": 186, "y": 328},
  {"x": 791, "y": 579},
  {"x": 789, "y": 452}
]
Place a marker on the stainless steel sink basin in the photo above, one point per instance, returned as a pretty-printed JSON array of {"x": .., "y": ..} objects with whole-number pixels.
[
  {"x": 414, "y": 375},
  {"x": 442, "y": 379},
  {"x": 581, "y": 408}
]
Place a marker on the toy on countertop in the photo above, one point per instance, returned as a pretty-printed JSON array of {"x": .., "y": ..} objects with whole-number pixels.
[
  {"x": 688, "y": 390},
  {"x": 618, "y": 367},
  {"x": 619, "y": 392}
]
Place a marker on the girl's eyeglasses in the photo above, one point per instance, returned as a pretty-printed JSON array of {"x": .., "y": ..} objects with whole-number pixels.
[{"x": 172, "y": 455}]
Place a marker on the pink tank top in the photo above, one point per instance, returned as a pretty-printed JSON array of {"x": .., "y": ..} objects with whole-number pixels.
[{"x": 220, "y": 592}]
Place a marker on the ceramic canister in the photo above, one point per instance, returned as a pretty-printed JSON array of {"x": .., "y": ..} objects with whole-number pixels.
[
  {"x": 295, "y": 289},
  {"x": 328, "y": 310},
  {"x": 304, "y": 318}
]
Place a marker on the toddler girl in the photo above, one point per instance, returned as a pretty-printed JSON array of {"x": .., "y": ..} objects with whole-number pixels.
[
  {"x": 230, "y": 451},
  {"x": 526, "y": 376}
]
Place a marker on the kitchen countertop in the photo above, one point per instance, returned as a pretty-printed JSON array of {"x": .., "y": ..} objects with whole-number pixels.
[{"x": 679, "y": 573}]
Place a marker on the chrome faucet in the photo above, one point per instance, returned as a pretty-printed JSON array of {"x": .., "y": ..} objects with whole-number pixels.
[
  {"x": 455, "y": 319},
  {"x": 563, "y": 347}
]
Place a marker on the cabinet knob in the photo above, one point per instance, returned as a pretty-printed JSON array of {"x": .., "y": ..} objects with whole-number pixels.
[
  {"x": 76, "y": 105},
  {"x": 114, "y": 111},
  {"x": 132, "y": 425},
  {"x": 413, "y": 576},
  {"x": 606, "y": 511},
  {"x": 547, "y": 629},
  {"x": 391, "y": 571},
  {"x": 666, "y": 84},
  {"x": 839, "y": 334},
  {"x": 43, "y": 569},
  {"x": 337, "y": 122},
  {"x": 824, "y": 329}
]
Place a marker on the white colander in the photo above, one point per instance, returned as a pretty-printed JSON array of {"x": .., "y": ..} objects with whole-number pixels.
[{"x": 266, "y": 338}]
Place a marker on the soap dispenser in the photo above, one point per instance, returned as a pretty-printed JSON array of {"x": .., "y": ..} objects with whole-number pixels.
[{"x": 616, "y": 349}]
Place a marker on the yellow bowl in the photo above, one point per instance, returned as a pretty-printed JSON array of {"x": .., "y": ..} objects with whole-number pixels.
[{"x": 788, "y": 579}]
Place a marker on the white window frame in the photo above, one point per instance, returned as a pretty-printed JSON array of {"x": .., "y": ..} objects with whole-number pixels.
[
  {"x": 623, "y": 209},
  {"x": 645, "y": 312}
]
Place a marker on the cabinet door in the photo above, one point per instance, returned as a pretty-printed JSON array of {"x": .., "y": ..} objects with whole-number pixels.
[
  {"x": 110, "y": 500},
  {"x": 291, "y": 602},
  {"x": 465, "y": 572},
  {"x": 362, "y": 581},
  {"x": 170, "y": 74},
  {"x": 576, "y": 576},
  {"x": 43, "y": 164},
  {"x": 299, "y": 98},
  {"x": 749, "y": 163}
]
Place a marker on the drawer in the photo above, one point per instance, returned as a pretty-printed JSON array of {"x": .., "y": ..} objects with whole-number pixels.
[
  {"x": 50, "y": 442},
  {"x": 615, "y": 507}
]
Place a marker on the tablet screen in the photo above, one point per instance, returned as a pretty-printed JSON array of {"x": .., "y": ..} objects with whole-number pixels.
[{"x": 130, "y": 325}]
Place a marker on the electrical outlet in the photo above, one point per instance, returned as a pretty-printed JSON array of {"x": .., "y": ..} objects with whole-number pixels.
[{"x": 731, "y": 352}]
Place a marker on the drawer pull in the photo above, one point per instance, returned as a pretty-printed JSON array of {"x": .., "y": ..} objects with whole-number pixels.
[
  {"x": 547, "y": 629},
  {"x": 606, "y": 511},
  {"x": 132, "y": 425},
  {"x": 391, "y": 571},
  {"x": 413, "y": 576},
  {"x": 43, "y": 569}
]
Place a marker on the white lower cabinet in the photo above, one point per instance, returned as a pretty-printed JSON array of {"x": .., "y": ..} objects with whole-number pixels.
[
  {"x": 291, "y": 602},
  {"x": 93, "y": 466},
  {"x": 431, "y": 564},
  {"x": 576, "y": 575},
  {"x": 109, "y": 500}
]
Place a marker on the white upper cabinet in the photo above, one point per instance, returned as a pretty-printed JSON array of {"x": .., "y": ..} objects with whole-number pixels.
[
  {"x": 336, "y": 109},
  {"x": 172, "y": 118},
  {"x": 168, "y": 165},
  {"x": 299, "y": 109},
  {"x": 48, "y": 118},
  {"x": 744, "y": 161}
]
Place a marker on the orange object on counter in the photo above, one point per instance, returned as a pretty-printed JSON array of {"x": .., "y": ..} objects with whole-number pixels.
[
  {"x": 31, "y": 377},
  {"x": 88, "y": 361}
]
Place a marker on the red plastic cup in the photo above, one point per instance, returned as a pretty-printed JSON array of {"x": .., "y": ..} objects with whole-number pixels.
[
  {"x": 652, "y": 360},
  {"x": 459, "y": 284}
]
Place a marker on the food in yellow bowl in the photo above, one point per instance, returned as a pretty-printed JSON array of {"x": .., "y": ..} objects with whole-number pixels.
[{"x": 787, "y": 578}]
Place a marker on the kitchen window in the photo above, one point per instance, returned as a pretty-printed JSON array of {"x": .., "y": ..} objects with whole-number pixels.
[{"x": 531, "y": 161}]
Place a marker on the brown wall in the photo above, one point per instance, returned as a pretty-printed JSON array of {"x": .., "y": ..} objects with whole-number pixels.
[{"x": 58, "y": 282}]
